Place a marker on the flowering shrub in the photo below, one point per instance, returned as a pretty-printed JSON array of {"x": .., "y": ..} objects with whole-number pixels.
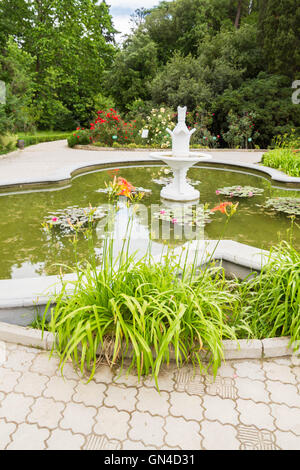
[
  {"x": 202, "y": 122},
  {"x": 157, "y": 123},
  {"x": 109, "y": 127},
  {"x": 241, "y": 130},
  {"x": 79, "y": 137}
]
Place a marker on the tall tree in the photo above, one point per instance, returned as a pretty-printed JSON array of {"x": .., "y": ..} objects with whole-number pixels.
[{"x": 280, "y": 36}]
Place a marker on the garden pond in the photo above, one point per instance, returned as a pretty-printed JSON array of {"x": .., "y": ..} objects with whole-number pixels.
[{"x": 27, "y": 249}]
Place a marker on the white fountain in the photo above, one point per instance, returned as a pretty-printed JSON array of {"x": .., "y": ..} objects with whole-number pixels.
[{"x": 180, "y": 160}]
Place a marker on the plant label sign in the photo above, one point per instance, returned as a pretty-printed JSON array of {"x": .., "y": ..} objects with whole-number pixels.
[
  {"x": 2, "y": 92},
  {"x": 145, "y": 134}
]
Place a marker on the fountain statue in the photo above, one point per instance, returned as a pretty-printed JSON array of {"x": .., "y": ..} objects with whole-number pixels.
[{"x": 180, "y": 160}]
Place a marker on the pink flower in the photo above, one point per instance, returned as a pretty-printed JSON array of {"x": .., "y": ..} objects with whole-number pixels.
[
  {"x": 217, "y": 192},
  {"x": 54, "y": 219},
  {"x": 162, "y": 212},
  {"x": 174, "y": 221},
  {"x": 231, "y": 194},
  {"x": 250, "y": 194}
]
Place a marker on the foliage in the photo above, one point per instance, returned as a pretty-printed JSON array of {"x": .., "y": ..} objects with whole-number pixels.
[
  {"x": 147, "y": 310},
  {"x": 286, "y": 160},
  {"x": 70, "y": 42},
  {"x": 73, "y": 219},
  {"x": 121, "y": 187},
  {"x": 156, "y": 123},
  {"x": 109, "y": 127},
  {"x": 239, "y": 191},
  {"x": 80, "y": 137},
  {"x": 288, "y": 205},
  {"x": 241, "y": 130},
  {"x": 272, "y": 298}
]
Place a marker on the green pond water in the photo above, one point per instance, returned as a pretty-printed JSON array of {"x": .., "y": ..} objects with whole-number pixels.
[{"x": 27, "y": 250}]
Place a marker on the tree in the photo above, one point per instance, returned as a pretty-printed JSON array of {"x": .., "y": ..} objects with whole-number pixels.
[
  {"x": 279, "y": 26},
  {"x": 71, "y": 42},
  {"x": 134, "y": 68}
]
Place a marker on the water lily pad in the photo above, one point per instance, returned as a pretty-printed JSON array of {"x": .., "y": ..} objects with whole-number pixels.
[
  {"x": 287, "y": 205},
  {"x": 187, "y": 215},
  {"x": 240, "y": 191},
  {"x": 74, "y": 218}
]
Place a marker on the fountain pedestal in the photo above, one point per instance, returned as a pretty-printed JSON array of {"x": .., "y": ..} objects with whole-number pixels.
[{"x": 180, "y": 160}]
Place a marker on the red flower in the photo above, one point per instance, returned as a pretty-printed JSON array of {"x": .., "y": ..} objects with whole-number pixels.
[{"x": 222, "y": 207}]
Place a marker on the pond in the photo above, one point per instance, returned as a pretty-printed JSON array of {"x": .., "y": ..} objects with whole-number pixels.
[{"x": 27, "y": 250}]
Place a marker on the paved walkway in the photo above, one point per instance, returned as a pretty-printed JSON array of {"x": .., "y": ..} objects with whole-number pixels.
[
  {"x": 55, "y": 161},
  {"x": 251, "y": 405}
]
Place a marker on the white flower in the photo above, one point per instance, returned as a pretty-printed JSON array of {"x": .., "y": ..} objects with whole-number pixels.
[{"x": 162, "y": 110}]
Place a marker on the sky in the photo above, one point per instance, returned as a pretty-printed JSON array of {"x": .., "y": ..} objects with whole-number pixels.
[{"x": 122, "y": 9}]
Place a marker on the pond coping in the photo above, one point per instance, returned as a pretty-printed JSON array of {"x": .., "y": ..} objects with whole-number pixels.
[
  {"x": 64, "y": 174},
  {"x": 233, "y": 350},
  {"x": 22, "y": 299}
]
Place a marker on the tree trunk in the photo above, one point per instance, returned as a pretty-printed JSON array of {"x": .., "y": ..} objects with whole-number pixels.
[{"x": 238, "y": 15}]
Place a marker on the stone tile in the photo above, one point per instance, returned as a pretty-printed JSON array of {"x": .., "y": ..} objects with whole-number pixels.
[
  {"x": 252, "y": 438},
  {"x": 150, "y": 400},
  {"x": 255, "y": 414},
  {"x": 190, "y": 381},
  {"x": 19, "y": 360},
  {"x": 226, "y": 370},
  {"x": 31, "y": 384},
  {"x": 279, "y": 372},
  {"x": 104, "y": 374},
  {"x": 15, "y": 407},
  {"x": 94, "y": 442},
  {"x": 296, "y": 372},
  {"x": 68, "y": 372},
  {"x": 112, "y": 423},
  {"x": 29, "y": 437},
  {"x": 78, "y": 418},
  {"x": 187, "y": 406},
  {"x": 220, "y": 409},
  {"x": 287, "y": 440},
  {"x": 284, "y": 393},
  {"x": 249, "y": 369},
  {"x": 252, "y": 389},
  {"x": 46, "y": 413},
  {"x": 6, "y": 430},
  {"x": 8, "y": 379},
  {"x": 60, "y": 389},
  {"x": 286, "y": 419},
  {"x": 224, "y": 387},
  {"x": 45, "y": 365},
  {"x": 129, "y": 380},
  {"x": 146, "y": 428},
  {"x": 122, "y": 398},
  {"x": 90, "y": 394},
  {"x": 183, "y": 434},
  {"x": 136, "y": 445},
  {"x": 165, "y": 380},
  {"x": 217, "y": 436},
  {"x": 3, "y": 353},
  {"x": 64, "y": 440}
]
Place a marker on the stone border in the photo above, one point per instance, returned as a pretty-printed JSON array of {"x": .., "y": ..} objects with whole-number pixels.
[
  {"x": 64, "y": 175},
  {"x": 243, "y": 349},
  {"x": 20, "y": 299}
]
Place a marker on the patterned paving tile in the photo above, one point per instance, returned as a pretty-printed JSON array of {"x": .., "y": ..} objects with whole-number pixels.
[{"x": 251, "y": 405}]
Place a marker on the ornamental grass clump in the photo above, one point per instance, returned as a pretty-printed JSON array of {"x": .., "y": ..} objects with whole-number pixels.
[
  {"x": 145, "y": 310},
  {"x": 272, "y": 298}
]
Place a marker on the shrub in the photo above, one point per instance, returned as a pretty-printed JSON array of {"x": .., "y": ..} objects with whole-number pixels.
[
  {"x": 241, "y": 130},
  {"x": 286, "y": 156},
  {"x": 156, "y": 123},
  {"x": 80, "y": 137},
  {"x": 109, "y": 127}
]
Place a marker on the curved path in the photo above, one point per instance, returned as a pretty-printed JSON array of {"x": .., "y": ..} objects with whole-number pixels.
[{"x": 55, "y": 161}]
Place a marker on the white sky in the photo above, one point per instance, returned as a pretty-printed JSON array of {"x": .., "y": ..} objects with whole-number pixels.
[{"x": 122, "y": 9}]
